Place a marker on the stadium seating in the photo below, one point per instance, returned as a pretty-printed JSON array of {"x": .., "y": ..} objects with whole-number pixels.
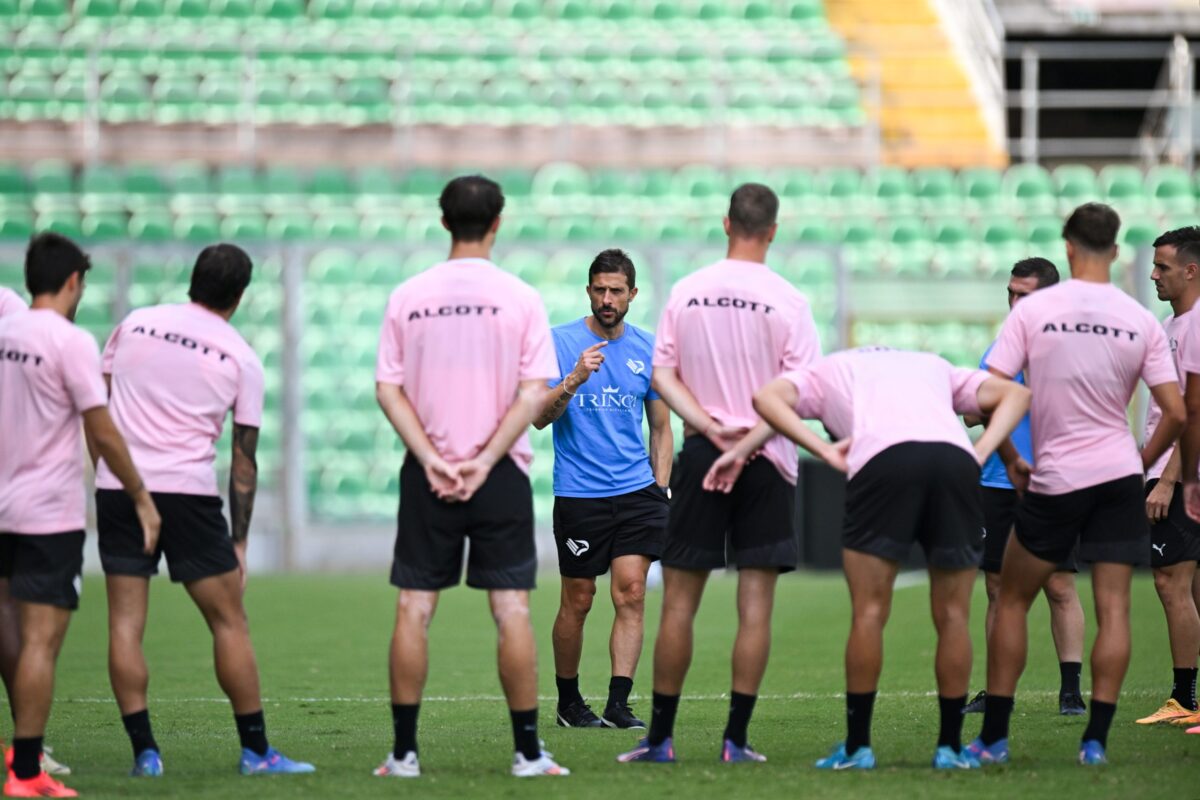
[
  {"x": 362, "y": 62},
  {"x": 914, "y": 244}
]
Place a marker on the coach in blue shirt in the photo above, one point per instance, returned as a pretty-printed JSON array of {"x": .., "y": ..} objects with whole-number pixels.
[
  {"x": 610, "y": 495},
  {"x": 1000, "y": 503}
]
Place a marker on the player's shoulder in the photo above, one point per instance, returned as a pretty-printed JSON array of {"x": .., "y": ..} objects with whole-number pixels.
[
  {"x": 639, "y": 336},
  {"x": 567, "y": 331}
]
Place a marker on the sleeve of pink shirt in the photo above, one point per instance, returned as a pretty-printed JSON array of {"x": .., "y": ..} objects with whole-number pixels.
[
  {"x": 1189, "y": 347},
  {"x": 1011, "y": 350},
  {"x": 538, "y": 359},
  {"x": 247, "y": 408},
  {"x": 389, "y": 362},
  {"x": 965, "y": 384},
  {"x": 1158, "y": 367},
  {"x": 110, "y": 350},
  {"x": 803, "y": 343},
  {"x": 665, "y": 353},
  {"x": 808, "y": 401},
  {"x": 81, "y": 372}
]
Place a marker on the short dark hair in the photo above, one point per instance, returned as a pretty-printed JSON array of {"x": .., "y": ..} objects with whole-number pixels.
[
  {"x": 1041, "y": 268},
  {"x": 221, "y": 274},
  {"x": 50, "y": 260},
  {"x": 1092, "y": 226},
  {"x": 1186, "y": 242},
  {"x": 470, "y": 205},
  {"x": 752, "y": 210},
  {"x": 614, "y": 260}
]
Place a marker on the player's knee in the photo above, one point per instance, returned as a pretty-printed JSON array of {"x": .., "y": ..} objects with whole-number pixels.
[
  {"x": 509, "y": 609},
  {"x": 415, "y": 609},
  {"x": 578, "y": 599},
  {"x": 630, "y": 597},
  {"x": 950, "y": 616},
  {"x": 871, "y": 612}
]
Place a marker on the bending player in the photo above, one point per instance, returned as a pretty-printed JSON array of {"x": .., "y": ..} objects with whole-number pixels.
[
  {"x": 464, "y": 357},
  {"x": 726, "y": 330},
  {"x": 610, "y": 498},
  {"x": 174, "y": 373},
  {"x": 1175, "y": 537},
  {"x": 49, "y": 378},
  {"x": 1000, "y": 502},
  {"x": 913, "y": 477},
  {"x": 1084, "y": 344}
]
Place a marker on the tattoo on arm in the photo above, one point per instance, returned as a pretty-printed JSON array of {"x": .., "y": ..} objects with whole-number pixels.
[
  {"x": 243, "y": 480},
  {"x": 555, "y": 410}
]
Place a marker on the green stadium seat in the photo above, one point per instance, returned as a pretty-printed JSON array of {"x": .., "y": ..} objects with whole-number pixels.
[
  {"x": 15, "y": 225},
  {"x": 201, "y": 227},
  {"x": 1170, "y": 189},
  {"x": 51, "y": 177},
  {"x": 12, "y": 180},
  {"x": 981, "y": 186},
  {"x": 151, "y": 225},
  {"x": 1075, "y": 184},
  {"x": 1029, "y": 188}
]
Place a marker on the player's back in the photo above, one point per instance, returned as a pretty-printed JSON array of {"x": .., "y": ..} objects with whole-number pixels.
[
  {"x": 879, "y": 397},
  {"x": 49, "y": 375},
  {"x": 1085, "y": 345},
  {"x": 177, "y": 370},
  {"x": 457, "y": 338},
  {"x": 729, "y": 329}
]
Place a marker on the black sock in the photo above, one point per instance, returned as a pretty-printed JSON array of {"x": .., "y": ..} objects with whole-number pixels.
[
  {"x": 568, "y": 691},
  {"x": 951, "y": 711},
  {"x": 662, "y": 718},
  {"x": 252, "y": 730},
  {"x": 618, "y": 691},
  {"x": 741, "y": 706},
  {"x": 1100, "y": 722},
  {"x": 404, "y": 725},
  {"x": 525, "y": 738},
  {"x": 1069, "y": 672},
  {"x": 996, "y": 712},
  {"x": 1184, "y": 690},
  {"x": 859, "y": 708},
  {"x": 27, "y": 757},
  {"x": 137, "y": 725}
]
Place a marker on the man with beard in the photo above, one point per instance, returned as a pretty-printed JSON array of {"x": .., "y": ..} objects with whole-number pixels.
[{"x": 610, "y": 496}]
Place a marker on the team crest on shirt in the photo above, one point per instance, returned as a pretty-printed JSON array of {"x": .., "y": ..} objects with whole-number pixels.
[{"x": 637, "y": 367}]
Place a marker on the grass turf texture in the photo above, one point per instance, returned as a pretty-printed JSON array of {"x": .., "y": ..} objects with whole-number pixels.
[{"x": 322, "y": 649}]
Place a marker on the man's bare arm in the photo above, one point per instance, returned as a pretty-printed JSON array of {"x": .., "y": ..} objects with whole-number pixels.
[
  {"x": 243, "y": 480},
  {"x": 662, "y": 440}
]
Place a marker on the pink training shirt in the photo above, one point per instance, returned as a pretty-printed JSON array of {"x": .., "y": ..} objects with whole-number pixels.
[
  {"x": 177, "y": 370},
  {"x": 1084, "y": 345},
  {"x": 1174, "y": 327},
  {"x": 729, "y": 329},
  {"x": 10, "y": 302},
  {"x": 460, "y": 338},
  {"x": 881, "y": 397},
  {"x": 49, "y": 375}
]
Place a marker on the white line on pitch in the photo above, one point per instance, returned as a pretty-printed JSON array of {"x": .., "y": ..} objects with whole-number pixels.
[{"x": 546, "y": 698}]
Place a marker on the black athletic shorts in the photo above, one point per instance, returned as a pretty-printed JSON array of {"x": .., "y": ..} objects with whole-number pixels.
[
  {"x": 593, "y": 531},
  {"x": 926, "y": 492},
  {"x": 194, "y": 536},
  {"x": 999, "y": 514},
  {"x": 1176, "y": 539},
  {"x": 752, "y": 526},
  {"x": 1108, "y": 521},
  {"x": 431, "y": 534},
  {"x": 43, "y": 568}
]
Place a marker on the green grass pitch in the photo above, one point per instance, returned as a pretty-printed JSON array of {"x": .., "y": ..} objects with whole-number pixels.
[{"x": 322, "y": 648}]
